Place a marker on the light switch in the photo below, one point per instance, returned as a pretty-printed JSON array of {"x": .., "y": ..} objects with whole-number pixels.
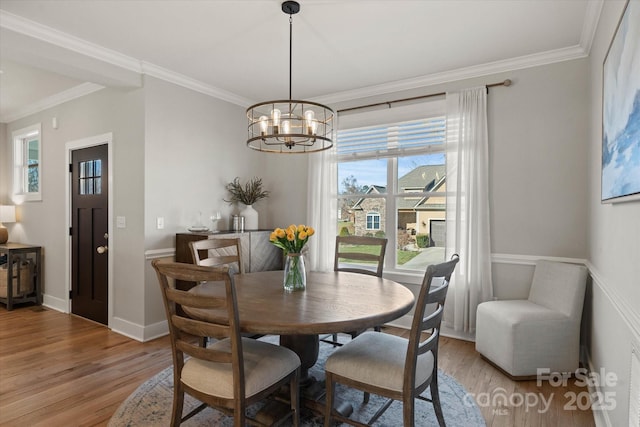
[
  {"x": 121, "y": 222},
  {"x": 160, "y": 223}
]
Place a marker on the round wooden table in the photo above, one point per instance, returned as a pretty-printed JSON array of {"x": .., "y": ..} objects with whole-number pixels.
[{"x": 332, "y": 302}]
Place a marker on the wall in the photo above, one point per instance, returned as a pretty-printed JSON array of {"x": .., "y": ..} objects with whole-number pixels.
[
  {"x": 614, "y": 250},
  {"x": 45, "y": 223},
  {"x": 5, "y": 165},
  {"x": 194, "y": 147}
]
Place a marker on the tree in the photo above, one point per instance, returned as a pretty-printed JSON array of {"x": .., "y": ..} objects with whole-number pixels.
[{"x": 350, "y": 186}]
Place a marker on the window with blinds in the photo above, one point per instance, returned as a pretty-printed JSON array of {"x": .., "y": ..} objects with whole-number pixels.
[
  {"x": 398, "y": 139},
  {"x": 391, "y": 183}
]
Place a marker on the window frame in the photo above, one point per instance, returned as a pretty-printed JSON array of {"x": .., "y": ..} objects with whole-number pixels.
[
  {"x": 374, "y": 216},
  {"x": 20, "y": 162},
  {"x": 393, "y": 194}
]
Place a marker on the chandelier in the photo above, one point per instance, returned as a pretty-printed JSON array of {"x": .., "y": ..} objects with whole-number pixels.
[{"x": 289, "y": 126}]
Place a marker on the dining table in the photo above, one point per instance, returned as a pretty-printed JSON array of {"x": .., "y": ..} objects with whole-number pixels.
[{"x": 332, "y": 302}]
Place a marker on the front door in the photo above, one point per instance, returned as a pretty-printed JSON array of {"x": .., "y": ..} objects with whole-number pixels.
[{"x": 89, "y": 233}]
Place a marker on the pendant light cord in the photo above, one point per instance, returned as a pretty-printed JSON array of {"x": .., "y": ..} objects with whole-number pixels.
[{"x": 290, "y": 51}]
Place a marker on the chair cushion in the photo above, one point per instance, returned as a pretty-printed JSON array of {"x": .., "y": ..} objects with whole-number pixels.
[
  {"x": 264, "y": 365},
  {"x": 377, "y": 359},
  {"x": 559, "y": 286},
  {"x": 521, "y": 336}
]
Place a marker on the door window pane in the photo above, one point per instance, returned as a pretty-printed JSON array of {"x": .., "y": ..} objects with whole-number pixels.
[{"x": 90, "y": 180}]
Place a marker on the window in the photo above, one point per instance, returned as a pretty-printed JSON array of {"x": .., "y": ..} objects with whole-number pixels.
[
  {"x": 27, "y": 167},
  {"x": 391, "y": 183},
  {"x": 373, "y": 221},
  {"x": 90, "y": 181}
]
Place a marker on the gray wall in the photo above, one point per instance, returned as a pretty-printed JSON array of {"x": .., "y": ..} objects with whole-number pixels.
[
  {"x": 194, "y": 146},
  {"x": 614, "y": 249},
  {"x": 44, "y": 222}
]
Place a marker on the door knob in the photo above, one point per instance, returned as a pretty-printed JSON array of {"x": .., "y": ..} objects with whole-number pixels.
[{"x": 102, "y": 249}]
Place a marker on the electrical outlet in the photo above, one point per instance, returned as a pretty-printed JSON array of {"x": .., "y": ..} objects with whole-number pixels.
[{"x": 160, "y": 223}]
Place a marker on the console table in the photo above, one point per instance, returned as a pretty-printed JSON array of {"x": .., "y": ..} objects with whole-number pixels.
[{"x": 18, "y": 253}]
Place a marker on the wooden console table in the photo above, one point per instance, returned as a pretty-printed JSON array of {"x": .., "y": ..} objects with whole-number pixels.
[{"x": 19, "y": 253}]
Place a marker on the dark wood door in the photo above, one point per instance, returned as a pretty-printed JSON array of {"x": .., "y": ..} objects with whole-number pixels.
[{"x": 89, "y": 233}]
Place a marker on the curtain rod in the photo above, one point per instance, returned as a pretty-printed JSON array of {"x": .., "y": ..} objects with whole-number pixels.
[{"x": 507, "y": 82}]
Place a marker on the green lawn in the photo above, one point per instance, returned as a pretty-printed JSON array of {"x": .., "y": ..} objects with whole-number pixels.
[{"x": 403, "y": 256}]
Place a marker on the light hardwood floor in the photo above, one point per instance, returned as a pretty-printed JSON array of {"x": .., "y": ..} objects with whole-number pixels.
[{"x": 60, "y": 370}]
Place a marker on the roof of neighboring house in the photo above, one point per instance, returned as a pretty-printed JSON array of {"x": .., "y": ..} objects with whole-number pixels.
[{"x": 422, "y": 177}]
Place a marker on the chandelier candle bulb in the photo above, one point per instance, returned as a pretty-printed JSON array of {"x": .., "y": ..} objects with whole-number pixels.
[
  {"x": 309, "y": 117},
  {"x": 275, "y": 117},
  {"x": 264, "y": 125}
]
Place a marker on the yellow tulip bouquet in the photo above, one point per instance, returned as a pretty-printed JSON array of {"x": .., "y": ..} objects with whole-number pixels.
[{"x": 292, "y": 240}]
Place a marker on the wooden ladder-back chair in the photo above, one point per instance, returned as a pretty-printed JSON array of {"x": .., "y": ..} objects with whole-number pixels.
[
  {"x": 394, "y": 367},
  {"x": 219, "y": 252},
  {"x": 233, "y": 372},
  {"x": 216, "y": 252},
  {"x": 371, "y": 255},
  {"x": 345, "y": 254}
]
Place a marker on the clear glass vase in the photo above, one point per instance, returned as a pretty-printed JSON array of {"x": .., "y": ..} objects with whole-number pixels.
[{"x": 295, "y": 274}]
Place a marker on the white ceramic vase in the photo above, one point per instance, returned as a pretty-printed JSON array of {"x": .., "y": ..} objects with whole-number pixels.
[{"x": 250, "y": 217}]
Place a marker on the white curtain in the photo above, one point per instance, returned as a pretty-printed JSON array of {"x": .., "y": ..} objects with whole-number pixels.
[
  {"x": 467, "y": 218},
  {"x": 322, "y": 187}
]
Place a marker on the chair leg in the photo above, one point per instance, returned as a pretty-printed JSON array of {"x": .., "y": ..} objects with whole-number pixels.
[
  {"x": 408, "y": 411},
  {"x": 178, "y": 400},
  {"x": 365, "y": 398},
  {"x": 435, "y": 399},
  {"x": 330, "y": 390}
]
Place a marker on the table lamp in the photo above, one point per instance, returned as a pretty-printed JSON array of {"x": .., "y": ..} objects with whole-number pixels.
[{"x": 7, "y": 214}]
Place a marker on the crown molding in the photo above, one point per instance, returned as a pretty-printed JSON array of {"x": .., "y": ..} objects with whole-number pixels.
[
  {"x": 590, "y": 25},
  {"x": 47, "y": 34},
  {"x": 51, "y": 101},
  {"x": 527, "y": 61},
  {"x": 193, "y": 84},
  {"x": 581, "y": 50}
]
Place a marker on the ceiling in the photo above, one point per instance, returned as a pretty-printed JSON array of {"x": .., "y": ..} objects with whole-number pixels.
[{"x": 53, "y": 50}]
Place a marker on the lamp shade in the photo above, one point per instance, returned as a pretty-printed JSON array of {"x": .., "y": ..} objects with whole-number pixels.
[{"x": 7, "y": 213}]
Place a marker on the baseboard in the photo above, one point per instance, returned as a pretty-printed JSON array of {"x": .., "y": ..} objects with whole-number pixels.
[
  {"x": 55, "y": 303},
  {"x": 156, "y": 330},
  {"x": 139, "y": 332}
]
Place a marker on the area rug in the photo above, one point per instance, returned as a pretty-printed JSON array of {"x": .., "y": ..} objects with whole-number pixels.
[{"x": 150, "y": 404}]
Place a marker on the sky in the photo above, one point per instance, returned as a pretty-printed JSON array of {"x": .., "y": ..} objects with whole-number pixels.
[{"x": 374, "y": 171}]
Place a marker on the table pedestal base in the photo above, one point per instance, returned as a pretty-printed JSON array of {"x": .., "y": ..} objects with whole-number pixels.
[{"x": 312, "y": 391}]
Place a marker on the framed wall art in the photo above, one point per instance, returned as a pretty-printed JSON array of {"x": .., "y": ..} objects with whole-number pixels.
[{"x": 621, "y": 111}]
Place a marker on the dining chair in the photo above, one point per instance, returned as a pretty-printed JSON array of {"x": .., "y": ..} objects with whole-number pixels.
[
  {"x": 233, "y": 372},
  {"x": 216, "y": 252},
  {"x": 391, "y": 366},
  {"x": 358, "y": 254}
]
